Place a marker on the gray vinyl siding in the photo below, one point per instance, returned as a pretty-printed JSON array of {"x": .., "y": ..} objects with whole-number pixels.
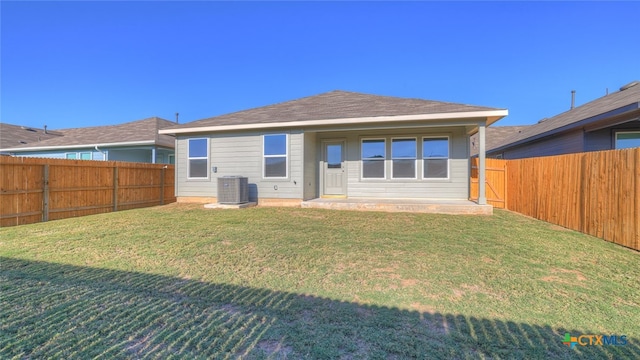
[
  {"x": 142, "y": 155},
  {"x": 311, "y": 166},
  {"x": 241, "y": 154},
  {"x": 573, "y": 142},
  {"x": 558, "y": 144},
  {"x": 131, "y": 155},
  {"x": 604, "y": 139},
  {"x": 62, "y": 154},
  {"x": 42, "y": 154},
  {"x": 599, "y": 140},
  {"x": 456, "y": 187}
]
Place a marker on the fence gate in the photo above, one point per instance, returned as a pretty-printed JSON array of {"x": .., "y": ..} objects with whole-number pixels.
[{"x": 495, "y": 179}]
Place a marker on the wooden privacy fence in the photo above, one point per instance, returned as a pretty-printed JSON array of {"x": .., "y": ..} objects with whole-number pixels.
[
  {"x": 597, "y": 193},
  {"x": 495, "y": 177},
  {"x": 36, "y": 189}
]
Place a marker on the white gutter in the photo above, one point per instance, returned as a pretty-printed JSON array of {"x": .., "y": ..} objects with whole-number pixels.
[
  {"x": 494, "y": 114},
  {"x": 84, "y": 146}
]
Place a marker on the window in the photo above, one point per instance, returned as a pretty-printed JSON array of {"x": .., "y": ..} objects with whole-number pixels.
[
  {"x": 627, "y": 140},
  {"x": 198, "y": 167},
  {"x": 403, "y": 158},
  {"x": 373, "y": 155},
  {"x": 435, "y": 155},
  {"x": 81, "y": 156},
  {"x": 334, "y": 156},
  {"x": 275, "y": 156}
]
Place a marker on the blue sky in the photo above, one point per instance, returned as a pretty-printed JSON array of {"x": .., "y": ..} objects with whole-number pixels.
[{"x": 73, "y": 64}]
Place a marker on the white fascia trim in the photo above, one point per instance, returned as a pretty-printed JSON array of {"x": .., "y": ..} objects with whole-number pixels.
[
  {"x": 343, "y": 121},
  {"x": 93, "y": 145}
]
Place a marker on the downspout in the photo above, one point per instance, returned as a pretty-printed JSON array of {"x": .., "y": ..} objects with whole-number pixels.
[{"x": 104, "y": 153}]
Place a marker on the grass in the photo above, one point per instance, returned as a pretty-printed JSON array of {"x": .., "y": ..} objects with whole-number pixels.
[{"x": 183, "y": 282}]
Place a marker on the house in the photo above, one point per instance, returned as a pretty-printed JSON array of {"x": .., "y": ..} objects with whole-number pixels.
[
  {"x": 609, "y": 122},
  {"x": 16, "y": 135},
  {"x": 334, "y": 145},
  {"x": 136, "y": 141}
]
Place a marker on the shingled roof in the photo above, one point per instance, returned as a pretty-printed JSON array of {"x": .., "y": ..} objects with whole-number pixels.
[
  {"x": 16, "y": 135},
  {"x": 335, "y": 104},
  {"x": 494, "y": 136},
  {"x": 136, "y": 132},
  {"x": 609, "y": 105}
]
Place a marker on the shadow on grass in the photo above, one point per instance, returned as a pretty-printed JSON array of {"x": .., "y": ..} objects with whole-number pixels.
[{"x": 62, "y": 311}]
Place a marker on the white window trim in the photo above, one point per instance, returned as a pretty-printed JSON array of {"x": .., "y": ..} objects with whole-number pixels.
[
  {"x": 415, "y": 158},
  {"x": 78, "y": 155},
  {"x": 615, "y": 140},
  {"x": 198, "y": 158},
  {"x": 384, "y": 160},
  {"x": 286, "y": 156},
  {"x": 422, "y": 158}
]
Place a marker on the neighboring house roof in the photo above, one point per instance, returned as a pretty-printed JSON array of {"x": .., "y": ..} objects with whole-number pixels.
[
  {"x": 334, "y": 107},
  {"x": 623, "y": 102},
  {"x": 16, "y": 135},
  {"x": 494, "y": 135},
  {"x": 135, "y": 133}
]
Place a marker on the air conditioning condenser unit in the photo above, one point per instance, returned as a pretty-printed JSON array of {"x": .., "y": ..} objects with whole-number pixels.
[{"x": 233, "y": 190}]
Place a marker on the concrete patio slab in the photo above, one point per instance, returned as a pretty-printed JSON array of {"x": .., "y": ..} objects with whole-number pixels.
[
  {"x": 230, "y": 206},
  {"x": 433, "y": 206}
]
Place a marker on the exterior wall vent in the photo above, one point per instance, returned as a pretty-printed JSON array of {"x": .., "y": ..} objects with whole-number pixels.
[{"x": 233, "y": 190}]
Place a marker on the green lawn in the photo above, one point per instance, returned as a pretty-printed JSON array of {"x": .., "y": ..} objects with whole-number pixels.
[{"x": 182, "y": 282}]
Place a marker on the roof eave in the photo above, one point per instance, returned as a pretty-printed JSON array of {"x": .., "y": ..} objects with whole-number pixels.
[
  {"x": 81, "y": 146},
  {"x": 491, "y": 116},
  {"x": 580, "y": 123}
]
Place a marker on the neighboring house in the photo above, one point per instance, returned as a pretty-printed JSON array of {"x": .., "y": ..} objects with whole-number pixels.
[
  {"x": 610, "y": 122},
  {"x": 16, "y": 135},
  {"x": 495, "y": 135},
  {"x": 336, "y": 144},
  {"x": 136, "y": 141}
]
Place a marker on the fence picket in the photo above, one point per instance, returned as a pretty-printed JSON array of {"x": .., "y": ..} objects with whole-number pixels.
[
  {"x": 38, "y": 189},
  {"x": 597, "y": 193}
]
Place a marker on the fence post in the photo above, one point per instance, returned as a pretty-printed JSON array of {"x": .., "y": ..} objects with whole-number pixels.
[
  {"x": 115, "y": 188},
  {"x": 505, "y": 175},
  {"x": 582, "y": 216},
  {"x": 482, "y": 165},
  {"x": 45, "y": 193},
  {"x": 162, "y": 185},
  {"x": 636, "y": 169}
]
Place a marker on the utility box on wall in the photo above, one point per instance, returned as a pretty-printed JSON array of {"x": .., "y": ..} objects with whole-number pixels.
[{"x": 233, "y": 190}]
